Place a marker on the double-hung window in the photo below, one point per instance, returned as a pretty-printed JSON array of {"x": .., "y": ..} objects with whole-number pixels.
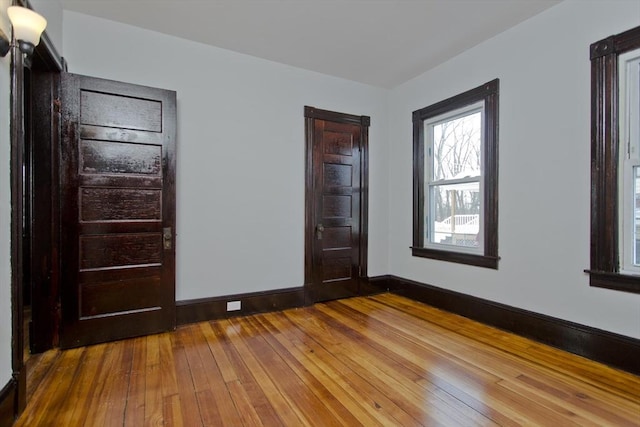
[
  {"x": 629, "y": 178},
  {"x": 455, "y": 178}
]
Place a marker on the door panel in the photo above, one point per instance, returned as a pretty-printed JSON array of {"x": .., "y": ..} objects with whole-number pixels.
[
  {"x": 334, "y": 197},
  {"x": 118, "y": 210}
]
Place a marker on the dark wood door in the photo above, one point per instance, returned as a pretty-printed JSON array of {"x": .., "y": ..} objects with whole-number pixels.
[
  {"x": 336, "y": 204},
  {"x": 118, "y": 210}
]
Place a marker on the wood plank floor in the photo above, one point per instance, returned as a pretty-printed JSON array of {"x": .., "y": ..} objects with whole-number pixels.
[{"x": 382, "y": 360}]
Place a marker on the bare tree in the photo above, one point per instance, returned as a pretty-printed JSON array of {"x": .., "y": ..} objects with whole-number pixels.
[{"x": 456, "y": 153}]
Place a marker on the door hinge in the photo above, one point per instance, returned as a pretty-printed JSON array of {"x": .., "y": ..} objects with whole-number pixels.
[{"x": 57, "y": 105}]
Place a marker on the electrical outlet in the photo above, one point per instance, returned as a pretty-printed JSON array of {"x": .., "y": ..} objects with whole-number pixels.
[{"x": 233, "y": 305}]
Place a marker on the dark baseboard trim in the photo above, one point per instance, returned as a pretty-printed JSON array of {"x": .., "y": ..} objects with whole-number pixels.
[
  {"x": 374, "y": 285},
  {"x": 612, "y": 349},
  {"x": 8, "y": 400},
  {"x": 204, "y": 309}
]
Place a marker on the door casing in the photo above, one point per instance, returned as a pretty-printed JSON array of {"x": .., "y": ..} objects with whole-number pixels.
[{"x": 44, "y": 59}]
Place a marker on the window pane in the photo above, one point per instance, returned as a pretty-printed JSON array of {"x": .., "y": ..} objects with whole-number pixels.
[
  {"x": 455, "y": 215},
  {"x": 456, "y": 147}
]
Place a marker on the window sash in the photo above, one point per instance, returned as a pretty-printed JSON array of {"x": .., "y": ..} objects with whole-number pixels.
[
  {"x": 432, "y": 231},
  {"x": 629, "y": 136},
  {"x": 465, "y": 228}
]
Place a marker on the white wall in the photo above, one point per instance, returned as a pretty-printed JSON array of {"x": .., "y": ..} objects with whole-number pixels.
[
  {"x": 544, "y": 70},
  {"x": 52, "y": 11},
  {"x": 241, "y": 159},
  {"x": 5, "y": 209},
  {"x": 240, "y": 171}
]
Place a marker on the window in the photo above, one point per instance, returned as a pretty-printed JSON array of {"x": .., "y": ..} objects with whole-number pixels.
[
  {"x": 455, "y": 178},
  {"x": 615, "y": 162},
  {"x": 629, "y": 179}
]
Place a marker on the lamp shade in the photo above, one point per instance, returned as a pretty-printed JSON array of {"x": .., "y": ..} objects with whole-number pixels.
[{"x": 27, "y": 24}]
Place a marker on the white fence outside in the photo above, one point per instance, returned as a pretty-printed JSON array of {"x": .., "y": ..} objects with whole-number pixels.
[{"x": 461, "y": 228}]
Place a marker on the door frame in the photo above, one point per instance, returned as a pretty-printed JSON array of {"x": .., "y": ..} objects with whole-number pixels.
[
  {"x": 311, "y": 114},
  {"x": 44, "y": 58}
]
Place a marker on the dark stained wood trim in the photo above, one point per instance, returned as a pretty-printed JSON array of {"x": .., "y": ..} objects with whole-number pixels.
[
  {"x": 8, "y": 404},
  {"x": 459, "y": 257},
  {"x": 488, "y": 93},
  {"x": 364, "y": 198},
  {"x": 204, "y": 309},
  {"x": 615, "y": 281},
  {"x": 47, "y": 59},
  {"x": 310, "y": 114},
  {"x": 308, "y": 197},
  {"x": 333, "y": 116},
  {"x": 491, "y": 154},
  {"x": 418, "y": 181},
  {"x": 42, "y": 195},
  {"x": 604, "y": 163},
  {"x": 17, "y": 247},
  {"x": 612, "y": 349},
  {"x": 374, "y": 285},
  {"x": 604, "y": 270}
]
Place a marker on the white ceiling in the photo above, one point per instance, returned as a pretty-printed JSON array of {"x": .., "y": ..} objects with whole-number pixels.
[{"x": 378, "y": 42}]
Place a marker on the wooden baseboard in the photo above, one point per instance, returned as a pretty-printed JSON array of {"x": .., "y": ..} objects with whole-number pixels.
[
  {"x": 204, "y": 309},
  {"x": 8, "y": 400},
  {"x": 374, "y": 285},
  {"x": 200, "y": 310},
  {"x": 615, "y": 350}
]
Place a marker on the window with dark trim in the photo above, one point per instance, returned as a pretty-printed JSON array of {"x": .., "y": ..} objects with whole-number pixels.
[
  {"x": 605, "y": 270},
  {"x": 455, "y": 178}
]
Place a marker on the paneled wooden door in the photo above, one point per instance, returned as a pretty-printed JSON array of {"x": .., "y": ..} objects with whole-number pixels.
[
  {"x": 118, "y": 210},
  {"x": 336, "y": 204}
]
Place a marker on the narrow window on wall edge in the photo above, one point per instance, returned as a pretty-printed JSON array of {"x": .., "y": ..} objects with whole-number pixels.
[
  {"x": 615, "y": 162},
  {"x": 455, "y": 178}
]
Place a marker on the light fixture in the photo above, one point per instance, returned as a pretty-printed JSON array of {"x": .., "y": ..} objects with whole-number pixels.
[{"x": 27, "y": 27}]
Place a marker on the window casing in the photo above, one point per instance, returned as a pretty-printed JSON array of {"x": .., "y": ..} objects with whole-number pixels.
[
  {"x": 456, "y": 178},
  {"x": 607, "y": 266}
]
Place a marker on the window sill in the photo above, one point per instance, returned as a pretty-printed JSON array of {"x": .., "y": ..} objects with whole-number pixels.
[
  {"x": 457, "y": 257},
  {"x": 615, "y": 281}
]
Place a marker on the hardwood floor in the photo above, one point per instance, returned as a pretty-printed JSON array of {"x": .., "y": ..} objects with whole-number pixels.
[{"x": 382, "y": 360}]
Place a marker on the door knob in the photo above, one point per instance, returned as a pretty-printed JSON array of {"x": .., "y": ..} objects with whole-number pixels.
[
  {"x": 167, "y": 238},
  {"x": 319, "y": 230}
]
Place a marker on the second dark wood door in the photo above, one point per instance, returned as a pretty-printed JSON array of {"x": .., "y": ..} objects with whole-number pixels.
[
  {"x": 336, "y": 192},
  {"x": 118, "y": 210}
]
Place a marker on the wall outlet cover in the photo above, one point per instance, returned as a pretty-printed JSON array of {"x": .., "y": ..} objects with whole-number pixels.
[{"x": 233, "y": 305}]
